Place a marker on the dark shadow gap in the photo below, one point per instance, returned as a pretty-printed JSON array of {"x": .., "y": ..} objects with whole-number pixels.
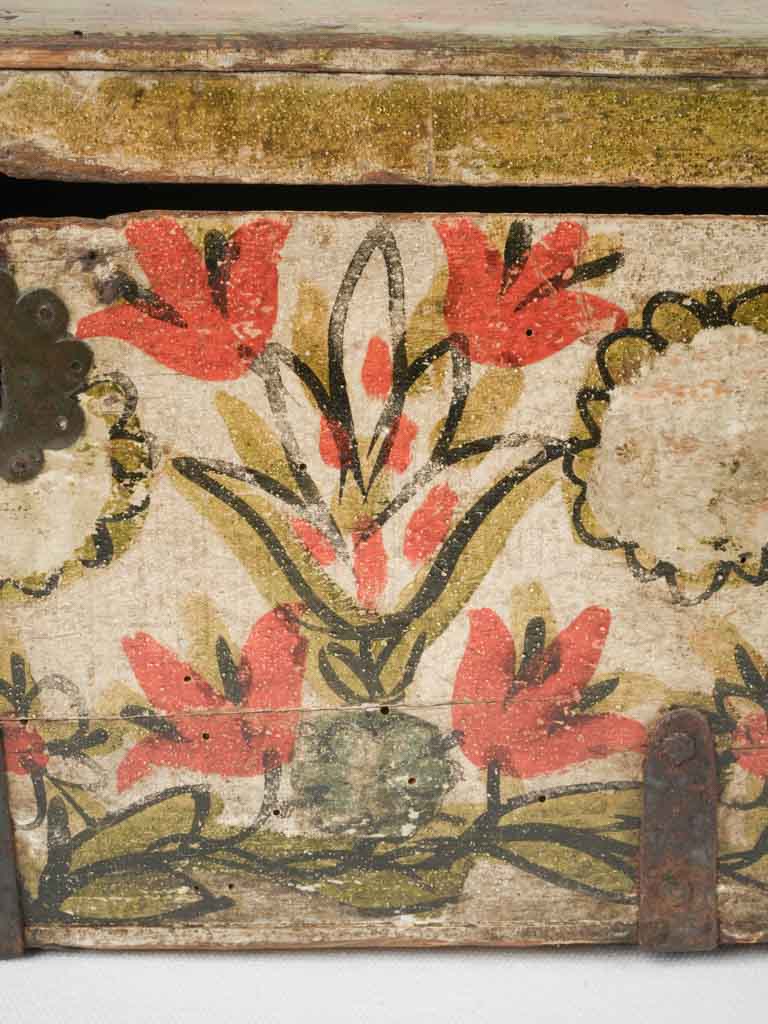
[{"x": 86, "y": 199}]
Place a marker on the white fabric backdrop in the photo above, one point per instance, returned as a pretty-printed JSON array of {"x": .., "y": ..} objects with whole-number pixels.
[{"x": 602, "y": 986}]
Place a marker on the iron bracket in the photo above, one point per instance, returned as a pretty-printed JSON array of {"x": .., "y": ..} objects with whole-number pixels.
[
  {"x": 42, "y": 369},
  {"x": 678, "y": 846}
]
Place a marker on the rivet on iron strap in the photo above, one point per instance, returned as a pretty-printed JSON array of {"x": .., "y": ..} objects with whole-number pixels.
[
  {"x": 11, "y": 925},
  {"x": 678, "y": 851}
]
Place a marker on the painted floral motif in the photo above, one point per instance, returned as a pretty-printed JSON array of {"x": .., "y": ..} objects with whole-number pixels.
[
  {"x": 360, "y": 527},
  {"x": 24, "y": 749},
  {"x": 529, "y": 716},
  {"x": 36, "y": 751},
  {"x": 396, "y": 487},
  {"x": 371, "y": 774},
  {"x": 91, "y": 500},
  {"x": 205, "y": 316},
  {"x": 269, "y": 677},
  {"x": 738, "y": 714},
  {"x": 515, "y": 309},
  {"x": 662, "y": 396},
  {"x": 741, "y": 703},
  {"x": 751, "y": 742},
  {"x": 367, "y": 520}
]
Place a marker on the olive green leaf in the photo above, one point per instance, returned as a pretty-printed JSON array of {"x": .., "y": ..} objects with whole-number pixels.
[
  {"x": 570, "y": 863},
  {"x": 493, "y": 396},
  {"x": 260, "y": 535},
  {"x": 255, "y": 443},
  {"x": 168, "y": 814},
  {"x": 398, "y": 890},
  {"x": 145, "y": 896},
  {"x": 592, "y": 807},
  {"x": 310, "y": 330},
  {"x": 430, "y": 616},
  {"x": 583, "y": 838}
]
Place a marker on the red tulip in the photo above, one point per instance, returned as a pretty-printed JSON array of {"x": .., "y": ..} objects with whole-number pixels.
[
  {"x": 206, "y": 318},
  {"x": 228, "y": 741},
  {"x": 519, "y": 309},
  {"x": 750, "y": 744},
  {"x": 525, "y": 718},
  {"x": 24, "y": 749}
]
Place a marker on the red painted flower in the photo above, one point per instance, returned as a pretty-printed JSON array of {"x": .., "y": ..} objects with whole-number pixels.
[
  {"x": 206, "y": 316},
  {"x": 24, "y": 749},
  {"x": 750, "y": 744},
  {"x": 526, "y": 717},
  {"x": 227, "y": 741},
  {"x": 519, "y": 308}
]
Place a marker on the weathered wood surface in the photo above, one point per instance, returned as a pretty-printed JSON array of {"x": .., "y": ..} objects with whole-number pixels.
[
  {"x": 491, "y": 38},
  {"x": 384, "y": 543},
  {"x": 528, "y": 19},
  {"x": 310, "y": 128}
]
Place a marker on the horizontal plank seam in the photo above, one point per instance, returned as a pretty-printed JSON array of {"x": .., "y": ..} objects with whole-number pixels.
[
  {"x": 334, "y": 73},
  {"x": 240, "y": 711},
  {"x": 600, "y": 76}
]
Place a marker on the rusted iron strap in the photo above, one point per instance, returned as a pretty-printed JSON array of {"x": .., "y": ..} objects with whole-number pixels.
[
  {"x": 11, "y": 925},
  {"x": 678, "y": 853}
]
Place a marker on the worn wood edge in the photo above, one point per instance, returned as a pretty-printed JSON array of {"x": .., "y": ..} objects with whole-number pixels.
[
  {"x": 11, "y": 926},
  {"x": 194, "y": 938},
  {"x": 397, "y": 129},
  {"x": 743, "y": 922},
  {"x": 634, "y": 55},
  {"x": 743, "y": 914}
]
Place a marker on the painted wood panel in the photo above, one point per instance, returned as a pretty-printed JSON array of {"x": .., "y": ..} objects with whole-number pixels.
[
  {"x": 381, "y": 544},
  {"x": 313, "y": 128}
]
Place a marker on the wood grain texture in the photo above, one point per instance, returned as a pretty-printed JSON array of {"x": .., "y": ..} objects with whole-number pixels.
[
  {"x": 601, "y": 38},
  {"x": 529, "y": 19},
  {"x": 310, "y": 128}
]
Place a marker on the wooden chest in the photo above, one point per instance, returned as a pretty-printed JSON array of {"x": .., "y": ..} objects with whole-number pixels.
[{"x": 370, "y": 575}]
